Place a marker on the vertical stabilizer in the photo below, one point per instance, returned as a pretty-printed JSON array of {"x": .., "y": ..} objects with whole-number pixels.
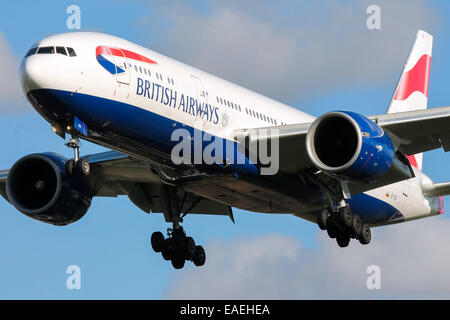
[{"x": 411, "y": 92}]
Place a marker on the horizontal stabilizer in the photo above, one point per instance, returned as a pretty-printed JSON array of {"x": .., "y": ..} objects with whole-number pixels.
[{"x": 437, "y": 189}]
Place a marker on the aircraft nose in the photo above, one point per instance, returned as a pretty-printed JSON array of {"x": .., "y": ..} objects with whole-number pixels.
[{"x": 32, "y": 74}]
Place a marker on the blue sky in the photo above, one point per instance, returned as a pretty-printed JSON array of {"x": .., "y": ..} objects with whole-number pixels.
[{"x": 111, "y": 243}]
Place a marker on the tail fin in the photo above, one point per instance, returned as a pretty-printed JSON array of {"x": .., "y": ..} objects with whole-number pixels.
[{"x": 412, "y": 89}]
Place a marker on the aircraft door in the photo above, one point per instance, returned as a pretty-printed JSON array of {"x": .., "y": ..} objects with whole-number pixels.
[{"x": 122, "y": 66}]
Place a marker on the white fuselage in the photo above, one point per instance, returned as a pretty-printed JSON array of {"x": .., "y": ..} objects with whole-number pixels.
[{"x": 150, "y": 85}]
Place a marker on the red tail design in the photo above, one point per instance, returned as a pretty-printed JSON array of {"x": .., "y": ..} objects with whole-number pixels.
[{"x": 416, "y": 79}]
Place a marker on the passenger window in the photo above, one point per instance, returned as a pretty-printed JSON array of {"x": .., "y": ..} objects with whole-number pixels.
[
  {"x": 46, "y": 50},
  {"x": 61, "y": 50},
  {"x": 140, "y": 69},
  {"x": 71, "y": 52},
  {"x": 145, "y": 71},
  {"x": 135, "y": 68}
]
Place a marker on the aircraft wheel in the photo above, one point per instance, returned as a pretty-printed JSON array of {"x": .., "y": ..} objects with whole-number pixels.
[
  {"x": 343, "y": 240},
  {"x": 356, "y": 225},
  {"x": 366, "y": 234},
  {"x": 190, "y": 247},
  {"x": 322, "y": 219},
  {"x": 345, "y": 215},
  {"x": 200, "y": 256},
  {"x": 84, "y": 167},
  {"x": 157, "y": 241},
  {"x": 166, "y": 250},
  {"x": 331, "y": 230},
  {"x": 178, "y": 262},
  {"x": 69, "y": 167}
]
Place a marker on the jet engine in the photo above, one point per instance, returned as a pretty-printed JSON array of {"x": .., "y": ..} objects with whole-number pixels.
[
  {"x": 350, "y": 147},
  {"x": 38, "y": 186}
]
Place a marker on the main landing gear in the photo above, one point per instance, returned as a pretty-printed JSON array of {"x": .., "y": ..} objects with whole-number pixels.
[
  {"x": 76, "y": 165},
  {"x": 343, "y": 225},
  {"x": 178, "y": 248}
]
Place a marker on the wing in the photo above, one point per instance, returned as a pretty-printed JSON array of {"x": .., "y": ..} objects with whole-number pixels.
[
  {"x": 120, "y": 174},
  {"x": 417, "y": 131},
  {"x": 292, "y": 144},
  {"x": 411, "y": 132}
]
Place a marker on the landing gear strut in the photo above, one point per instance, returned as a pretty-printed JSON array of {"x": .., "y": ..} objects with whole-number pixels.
[
  {"x": 76, "y": 165},
  {"x": 178, "y": 248},
  {"x": 343, "y": 225}
]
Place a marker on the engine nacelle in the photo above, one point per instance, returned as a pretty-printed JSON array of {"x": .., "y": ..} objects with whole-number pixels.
[
  {"x": 349, "y": 147},
  {"x": 38, "y": 187}
]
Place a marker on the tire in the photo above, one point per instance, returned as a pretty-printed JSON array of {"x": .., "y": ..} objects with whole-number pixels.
[
  {"x": 357, "y": 225},
  {"x": 200, "y": 256},
  {"x": 166, "y": 251},
  {"x": 331, "y": 230},
  {"x": 190, "y": 247},
  {"x": 366, "y": 234},
  {"x": 157, "y": 241},
  {"x": 343, "y": 241},
  {"x": 345, "y": 216},
  {"x": 322, "y": 219},
  {"x": 83, "y": 167},
  {"x": 178, "y": 262},
  {"x": 69, "y": 167}
]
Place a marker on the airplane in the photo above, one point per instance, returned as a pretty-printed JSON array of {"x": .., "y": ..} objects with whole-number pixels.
[{"x": 344, "y": 171}]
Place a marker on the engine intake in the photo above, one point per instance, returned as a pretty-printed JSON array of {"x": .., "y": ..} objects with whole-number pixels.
[
  {"x": 39, "y": 188},
  {"x": 349, "y": 146}
]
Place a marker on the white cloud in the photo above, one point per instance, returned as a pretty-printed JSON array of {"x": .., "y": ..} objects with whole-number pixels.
[
  {"x": 290, "y": 50},
  {"x": 11, "y": 96},
  {"x": 414, "y": 259}
]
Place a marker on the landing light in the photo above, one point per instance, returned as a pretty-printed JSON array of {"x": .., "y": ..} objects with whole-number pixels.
[{"x": 58, "y": 129}]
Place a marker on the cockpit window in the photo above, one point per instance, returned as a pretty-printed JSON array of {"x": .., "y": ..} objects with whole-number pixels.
[
  {"x": 46, "y": 50},
  {"x": 71, "y": 52},
  {"x": 31, "y": 52},
  {"x": 50, "y": 50},
  {"x": 61, "y": 50}
]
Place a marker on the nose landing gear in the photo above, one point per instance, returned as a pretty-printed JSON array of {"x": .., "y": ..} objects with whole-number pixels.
[{"x": 76, "y": 165}]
